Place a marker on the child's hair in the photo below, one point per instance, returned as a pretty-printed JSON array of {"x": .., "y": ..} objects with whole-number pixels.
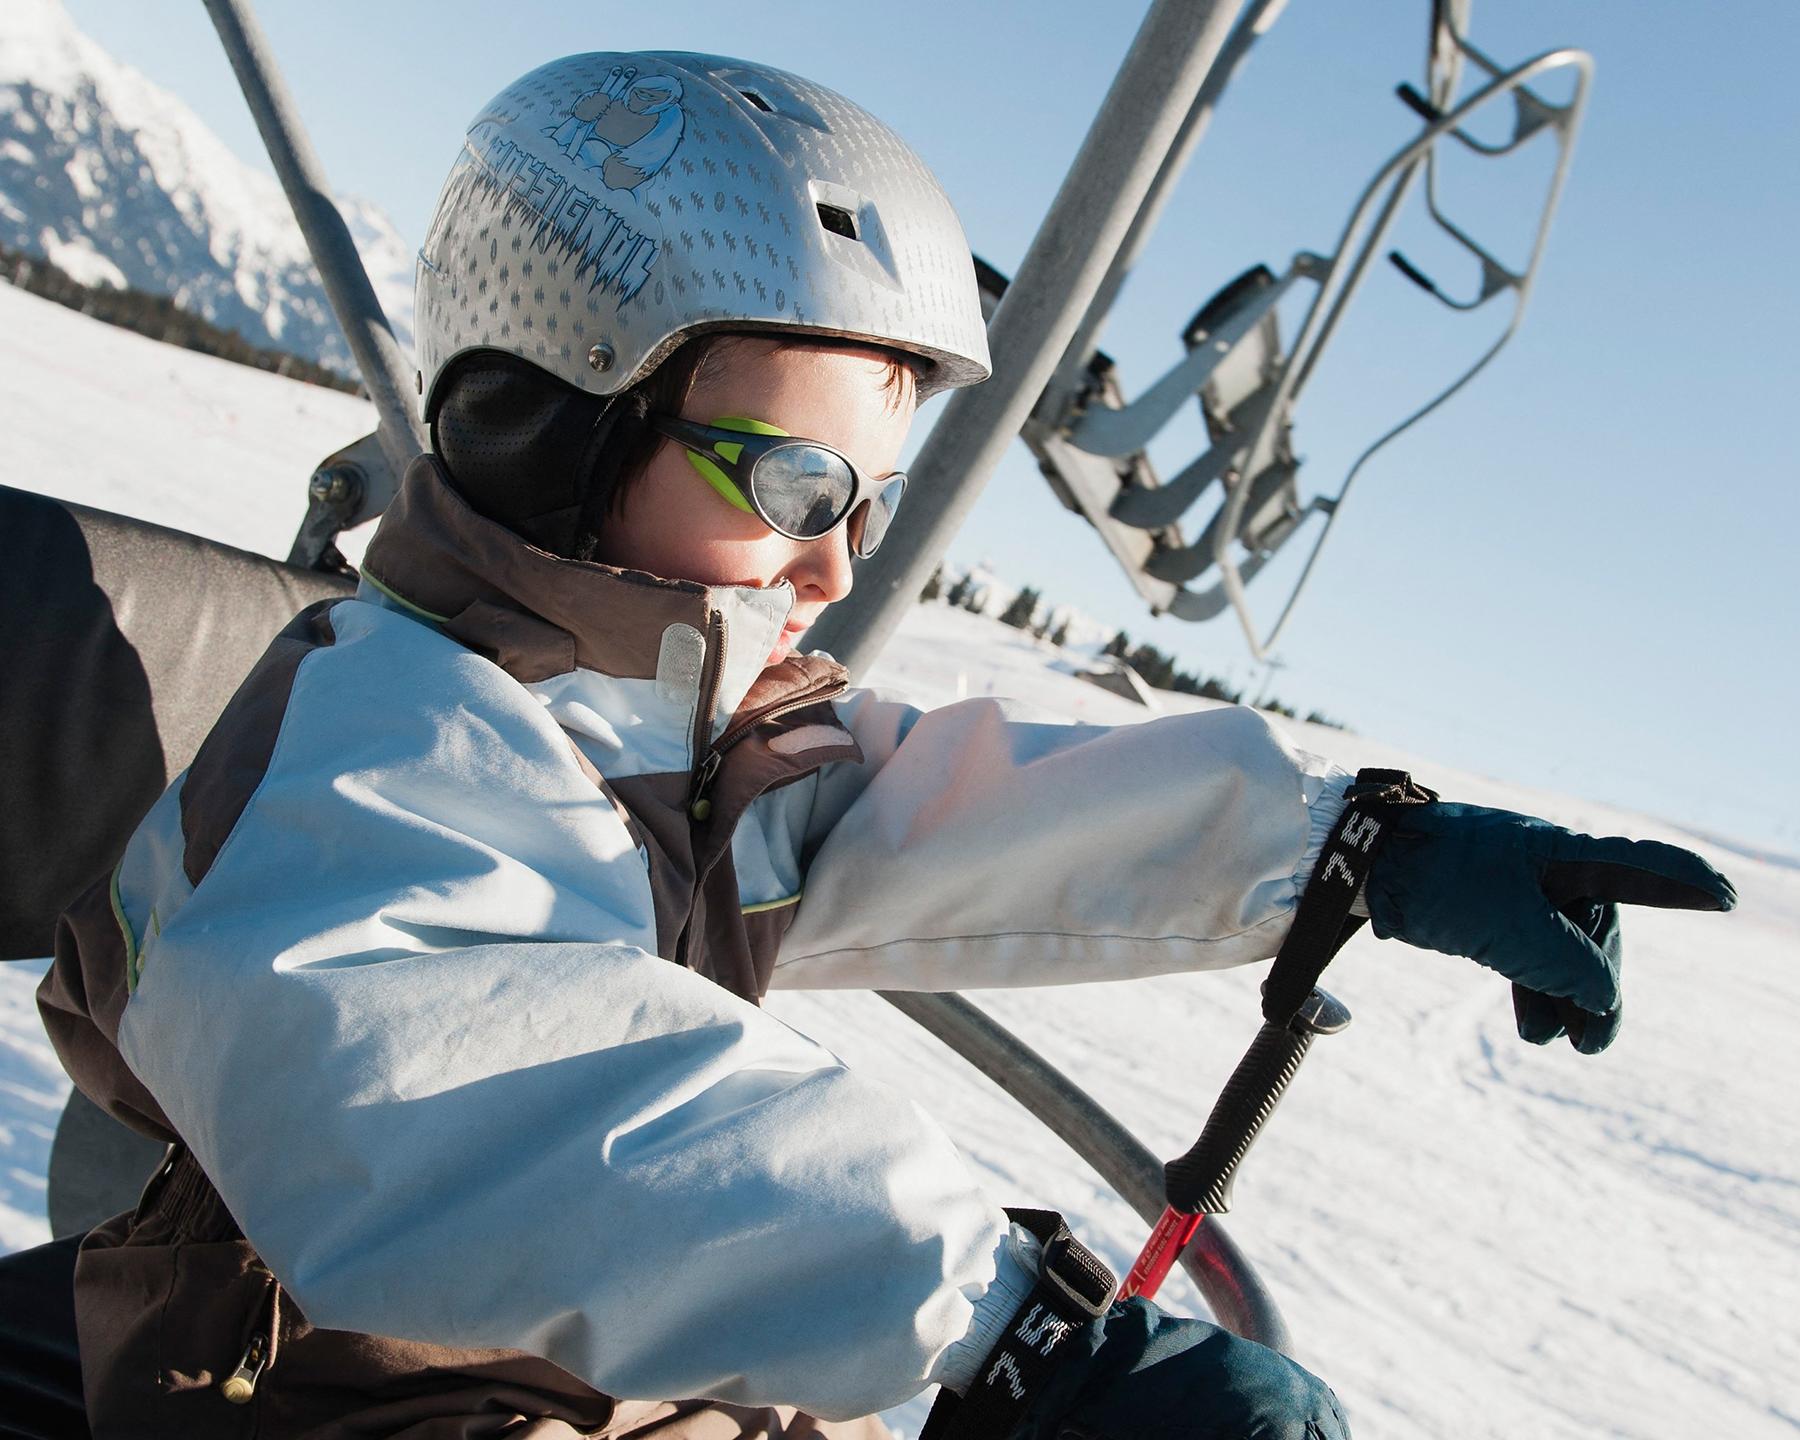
[{"x": 553, "y": 463}]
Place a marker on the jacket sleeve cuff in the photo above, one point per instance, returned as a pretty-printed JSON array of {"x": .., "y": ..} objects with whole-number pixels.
[
  {"x": 1322, "y": 813},
  {"x": 1016, "y": 1263}
]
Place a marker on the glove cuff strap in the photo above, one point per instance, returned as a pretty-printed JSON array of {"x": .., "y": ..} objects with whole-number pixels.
[
  {"x": 1324, "y": 920},
  {"x": 1074, "y": 1288}
]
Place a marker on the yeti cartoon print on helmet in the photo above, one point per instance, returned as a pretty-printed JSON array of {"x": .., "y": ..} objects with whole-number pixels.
[
  {"x": 626, "y": 130},
  {"x": 606, "y": 207}
]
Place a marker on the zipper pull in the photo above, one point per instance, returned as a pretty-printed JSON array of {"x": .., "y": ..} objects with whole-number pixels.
[
  {"x": 239, "y": 1387},
  {"x": 698, "y": 805}
]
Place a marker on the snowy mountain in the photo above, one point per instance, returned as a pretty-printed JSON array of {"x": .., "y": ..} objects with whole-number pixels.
[
  {"x": 118, "y": 182},
  {"x": 1469, "y": 1236}
]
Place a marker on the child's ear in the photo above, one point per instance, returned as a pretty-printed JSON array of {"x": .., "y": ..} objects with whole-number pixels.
[{"x": 517, "y": 444}]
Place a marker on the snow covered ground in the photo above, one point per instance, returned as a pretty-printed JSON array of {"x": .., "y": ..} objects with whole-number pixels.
[{"x": 1470, "y": 1237}]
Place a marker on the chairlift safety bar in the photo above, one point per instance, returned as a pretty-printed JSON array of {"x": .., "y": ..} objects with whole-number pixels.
[{"x": 1320, "y": 320}]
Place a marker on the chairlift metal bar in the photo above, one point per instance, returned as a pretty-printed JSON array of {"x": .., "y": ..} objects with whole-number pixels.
[
  {"x": 386, "y": 372},
  {"x": 1070, "y": 258},
  {"x": 1322, "y": 317},
  {"x": 1225, "y": 1278},
  {"x": 1161, "y": 506},
  {"x": 1101, "y": 430},
  {"x": 1565, "y": 119},
  {"x": 1127, "y": 429},
  {"x": 1530, "y": 115},
  {"x": 1263, "y": 484},
  {"x": 1069, "y": 379},
  {"x": 1100, "y": 422},
  {"x": 1532, "y": 112},
  {"x": 1308, "y": 355},
  {"x": 1088, "y": 485},
  {"x": 1444, "y": 53}
]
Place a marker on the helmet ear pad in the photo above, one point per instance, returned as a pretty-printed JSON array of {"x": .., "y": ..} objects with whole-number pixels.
[{"x": 521, "y": 446}]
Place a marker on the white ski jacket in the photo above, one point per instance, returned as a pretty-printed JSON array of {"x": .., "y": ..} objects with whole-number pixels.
[{"x": 396, "y": 963}]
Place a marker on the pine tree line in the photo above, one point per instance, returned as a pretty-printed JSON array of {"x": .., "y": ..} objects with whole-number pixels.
[
  {"x": 1020, "y": 612},
  {"x": 160, "y": 318},
  {"x": 1158, "y": 669},
  {"x": 1161, "y": 672}
]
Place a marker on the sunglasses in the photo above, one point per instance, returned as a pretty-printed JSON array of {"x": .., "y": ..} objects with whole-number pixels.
[{"x": 802, "y": 489}]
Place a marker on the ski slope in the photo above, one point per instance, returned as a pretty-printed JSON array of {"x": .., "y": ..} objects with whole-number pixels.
[{"x": 1471, "y": 1237}]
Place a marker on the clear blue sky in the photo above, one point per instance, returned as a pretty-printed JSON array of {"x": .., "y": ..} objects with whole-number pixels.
[{"x": 1580, "y": 574}]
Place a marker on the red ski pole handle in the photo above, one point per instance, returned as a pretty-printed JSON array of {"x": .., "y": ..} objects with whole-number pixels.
[{"x": 1199, "y": 1183}]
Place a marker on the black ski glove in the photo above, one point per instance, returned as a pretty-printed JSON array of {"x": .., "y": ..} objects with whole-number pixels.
[
  {"x": 1535, "y": 902},
  {"x": 1137, "y": 1373},
  {"x": 1075, "y": 1363}
]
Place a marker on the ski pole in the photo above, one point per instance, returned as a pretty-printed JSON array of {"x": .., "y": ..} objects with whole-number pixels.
[
  {"x": 1294, "y": 1009},
  {"x": 1198, "y": 1183}
]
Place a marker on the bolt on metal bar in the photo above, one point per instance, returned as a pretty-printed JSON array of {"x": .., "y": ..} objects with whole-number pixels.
[
  {"x": 386, "y": 372},
  {"x": 1137, "y": 125}
]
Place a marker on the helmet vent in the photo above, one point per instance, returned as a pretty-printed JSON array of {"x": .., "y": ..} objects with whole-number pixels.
[
  {"x": 838, "y": 221},
  {"x": 757, "y": 101}
]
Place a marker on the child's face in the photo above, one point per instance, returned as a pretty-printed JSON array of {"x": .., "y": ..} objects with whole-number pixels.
[{"x": 677, "y": 526}]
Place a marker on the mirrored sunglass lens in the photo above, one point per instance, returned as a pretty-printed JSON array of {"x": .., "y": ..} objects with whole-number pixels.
[
  {"x": 869, "y": 525},
  {"x": 803, "y": 488}
]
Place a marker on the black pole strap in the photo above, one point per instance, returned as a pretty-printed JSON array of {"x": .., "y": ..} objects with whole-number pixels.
[
  {"x": 1074, "y": 1288},
  {"x": 1324, "y": 922}
]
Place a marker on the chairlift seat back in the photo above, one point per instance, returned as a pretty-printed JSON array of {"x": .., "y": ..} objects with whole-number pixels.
[{"x": 123, "y": 642}]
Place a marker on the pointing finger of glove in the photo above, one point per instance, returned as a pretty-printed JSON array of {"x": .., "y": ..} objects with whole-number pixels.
[{"x": 1635, "y": 872}]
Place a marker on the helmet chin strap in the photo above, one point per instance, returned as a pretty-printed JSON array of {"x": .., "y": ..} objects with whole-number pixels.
[{"x": 523, "y": 448}]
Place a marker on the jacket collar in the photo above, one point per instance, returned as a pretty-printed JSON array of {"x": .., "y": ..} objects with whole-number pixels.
[{"x": 539, "y": 616}]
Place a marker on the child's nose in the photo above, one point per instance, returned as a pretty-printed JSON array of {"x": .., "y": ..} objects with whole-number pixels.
[{"x": 822, "y": 568}]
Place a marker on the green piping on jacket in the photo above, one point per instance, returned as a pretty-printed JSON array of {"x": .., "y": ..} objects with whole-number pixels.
[
  {"x": 763, "y": 905},
  {"x": 400, "y": 599},
  {"x": 132, "y": 956}
]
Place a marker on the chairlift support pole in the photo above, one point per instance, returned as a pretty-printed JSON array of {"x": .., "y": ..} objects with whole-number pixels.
[
  {"x": 1258, "y": 17},
  {"x": 386, "y": 372},
  {"x": 1077, "y": 246}
]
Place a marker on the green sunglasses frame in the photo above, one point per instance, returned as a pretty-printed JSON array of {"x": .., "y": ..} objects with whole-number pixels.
[{"x": 727, "y": 457}]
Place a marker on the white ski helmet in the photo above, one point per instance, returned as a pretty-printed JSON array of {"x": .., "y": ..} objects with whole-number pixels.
[{"x": 607, "y": 207}]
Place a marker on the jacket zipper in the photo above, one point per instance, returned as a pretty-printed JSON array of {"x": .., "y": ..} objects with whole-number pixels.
[
  {"x": 699, "y": 804},
  {"x": 699, "y": 807},
  {"x": 708, "y": 766},
  {"x": 239, "y": 1387}
]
